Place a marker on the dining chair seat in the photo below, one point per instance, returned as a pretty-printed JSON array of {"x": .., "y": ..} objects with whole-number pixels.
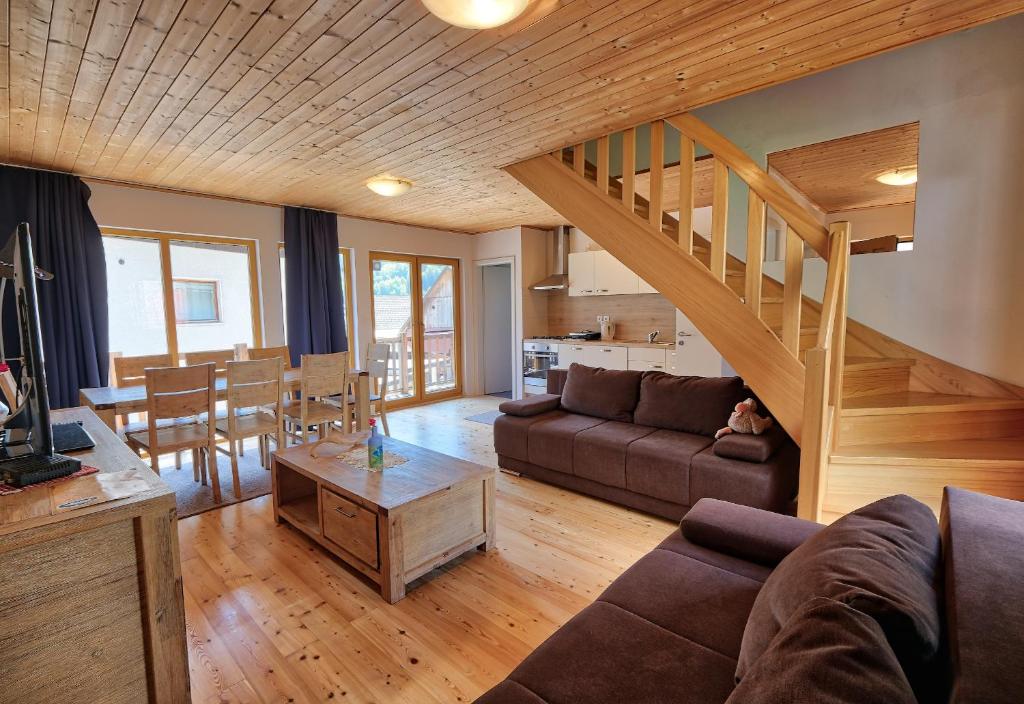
[
  {"x": 248, "y": 425},
  {"x": 176, "y": 436},
  {"x": 316, "y": 412},
  {"x": 141, "y": 425}
]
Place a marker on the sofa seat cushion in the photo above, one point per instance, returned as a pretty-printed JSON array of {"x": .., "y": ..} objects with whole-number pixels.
[
  {"x": 551, "y": 439},
  {"x": 606, "y": 654},
  {"x": 700, "y": 602},
  {"x": 883, "y": 560},
  {"x": 511, "y": 434},
  {"x": 599, "y": 453},
  {"x": 658, "y": 464},
  {"x": 827, "y": 653},
  {"x": 689, "y": 404},
  {"x": 603, "y": 393},
  {"x": 767, "y": 485}
]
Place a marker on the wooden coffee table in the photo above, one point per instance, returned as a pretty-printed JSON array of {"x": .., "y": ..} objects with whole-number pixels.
[{"x": 394, "y": 525}]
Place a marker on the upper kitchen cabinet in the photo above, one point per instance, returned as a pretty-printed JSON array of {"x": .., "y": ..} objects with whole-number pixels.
[{"x": 600, "y": 274}]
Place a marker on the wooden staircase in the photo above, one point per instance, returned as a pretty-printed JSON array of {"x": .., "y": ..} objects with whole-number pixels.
[{"x": 873, "y": 416}]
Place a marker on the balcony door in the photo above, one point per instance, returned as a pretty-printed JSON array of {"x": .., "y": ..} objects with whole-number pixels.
[{"x": 415, "y": 306}]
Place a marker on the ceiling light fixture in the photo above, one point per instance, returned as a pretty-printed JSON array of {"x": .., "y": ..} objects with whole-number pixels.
[
  {"x": 476, "y": 14},
  {"x": 388, "y": 186},
  {"x": 905, "y": 176}
]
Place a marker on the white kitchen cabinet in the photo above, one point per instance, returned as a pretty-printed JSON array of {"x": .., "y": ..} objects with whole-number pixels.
[
  {"x": 600, "y": 274},
  {"x": 647, "y": 359},
  {"x": 606, "y": 357},
  {"x": 567, "y": 354},
  {"x": 612, "y": 277},
  {"x": 694, "y": 355},
  {"x": 581, "y": 274}
]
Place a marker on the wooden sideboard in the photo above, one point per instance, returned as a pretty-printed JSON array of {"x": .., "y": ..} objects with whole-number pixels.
[{"x": 92, "y": 601}]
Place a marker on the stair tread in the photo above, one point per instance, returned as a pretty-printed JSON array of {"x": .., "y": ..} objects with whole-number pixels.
[
  {"x": 993, "y": 450},
  {"x": 923, "y": 402}
]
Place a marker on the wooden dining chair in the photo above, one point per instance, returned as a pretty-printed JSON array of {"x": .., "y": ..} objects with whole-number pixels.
[
  {"x": 378, "y": 355},
  {"x": 131, "y": 371},
  {"x": 180, "y": 392},
  {"x": 271, "y": 353},
  {"x": 219, "y": 358},
  {"x": 323, "y": 376},
  {"x": 255, "y": 404}
]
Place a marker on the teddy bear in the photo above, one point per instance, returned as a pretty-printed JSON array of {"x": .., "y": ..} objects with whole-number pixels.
[{"x": 745, "y": 420}]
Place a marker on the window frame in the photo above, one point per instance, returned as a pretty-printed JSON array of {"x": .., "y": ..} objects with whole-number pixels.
[
  {"x": 215, "y": 287},
  {"x": 164, "y": 240}
]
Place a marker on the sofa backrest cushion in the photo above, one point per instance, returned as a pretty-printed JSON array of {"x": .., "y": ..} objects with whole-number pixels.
[
  {"x": 827, "y": 653},
  {"x": 602, "y": 393},
  {"x": 690, "y": 404},
  {"x": 883, "y": 560},
  {"x": 982, "y": 539}
]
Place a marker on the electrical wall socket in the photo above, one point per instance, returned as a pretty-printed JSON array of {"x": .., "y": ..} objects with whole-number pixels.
[{"x": 602, "y": 319}]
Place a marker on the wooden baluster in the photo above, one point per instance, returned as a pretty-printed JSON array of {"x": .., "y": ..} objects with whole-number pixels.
[
  {"x": 579, "y": 161},
  {"x": 792, "y": 296},
  {"x": 657, "y": 172},
  {"x": 629, "y": 168},
  {"x": 719, "y": 218},
  {"x": 814, "y": 445},
  {"x": 603, "y": 157},
  {"x": 686, "y": 157},
  {"x": 842, "y": 231},
  {"x": 755, "y": 251}
]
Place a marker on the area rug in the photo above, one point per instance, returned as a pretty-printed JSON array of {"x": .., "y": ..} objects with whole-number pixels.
[
  {"x": 194, "y": 498},
  {"x": 487, "y": 418}
]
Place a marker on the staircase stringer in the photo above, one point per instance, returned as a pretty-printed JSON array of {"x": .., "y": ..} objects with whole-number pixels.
[{"x": 749, "y": 345}]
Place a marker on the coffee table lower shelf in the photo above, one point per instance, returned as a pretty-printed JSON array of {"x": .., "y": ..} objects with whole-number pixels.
[{"x": 391, "y": 545}]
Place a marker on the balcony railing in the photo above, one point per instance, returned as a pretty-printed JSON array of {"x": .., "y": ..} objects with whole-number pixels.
[{"x": 438, "y": 363}]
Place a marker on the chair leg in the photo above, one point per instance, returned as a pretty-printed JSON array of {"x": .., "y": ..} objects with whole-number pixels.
[
  {"x": 154, "y": 460},
  {"x": 241, "y": 448},
  {"x": 211, "y": 460},
  {"x": 195, "y": 465},
  {"x": 235, "y": 483},
  {"x": 202, "y": 466},
  {"x": 305, "y": 432},
  {"x": 177, "y": 460},
  {"x": 384, "y": 422}
]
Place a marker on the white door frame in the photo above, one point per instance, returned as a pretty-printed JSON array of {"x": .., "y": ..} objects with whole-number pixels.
[{"x": 517, "y": 338}]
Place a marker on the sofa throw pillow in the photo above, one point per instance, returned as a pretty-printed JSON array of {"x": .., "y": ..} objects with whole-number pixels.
[
  {"x": 882, "y": 559},
  {"x": 826, "y": 653},
  {"x": 602, "y": 393},
  {"x": 690, "y": 404}
]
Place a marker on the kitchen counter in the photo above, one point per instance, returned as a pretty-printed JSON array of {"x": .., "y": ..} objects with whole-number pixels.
[{"x": 663, "y": 345}]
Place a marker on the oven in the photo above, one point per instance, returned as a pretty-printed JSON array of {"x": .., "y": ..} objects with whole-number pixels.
[{"x": 538, "y": 358}]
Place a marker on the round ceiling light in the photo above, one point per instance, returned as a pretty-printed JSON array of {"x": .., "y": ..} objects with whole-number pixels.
[
  {"x": 905, "y": 176},
  {"x": 388, "y": 187},
  {"x": 476, "y": 14}
]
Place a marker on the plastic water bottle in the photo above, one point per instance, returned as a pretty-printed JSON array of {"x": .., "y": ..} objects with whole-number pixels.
[{"x": 375, "y": 446}]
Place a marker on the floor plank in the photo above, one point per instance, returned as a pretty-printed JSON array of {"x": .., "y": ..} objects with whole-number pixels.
[{"x": 273, "y": 618}]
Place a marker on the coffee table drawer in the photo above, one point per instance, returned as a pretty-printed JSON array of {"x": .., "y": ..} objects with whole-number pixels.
[{"x": 350, "y": 526}]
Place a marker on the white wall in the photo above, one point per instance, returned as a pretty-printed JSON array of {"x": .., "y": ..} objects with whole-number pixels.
[{"x": 956, "y": 295}]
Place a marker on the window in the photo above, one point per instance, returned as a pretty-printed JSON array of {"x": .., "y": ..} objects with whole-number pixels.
[
  {"x": 196, "y": 301},
  {"x": 171, "y": 293},
  {"x": 345, "y": 264}
]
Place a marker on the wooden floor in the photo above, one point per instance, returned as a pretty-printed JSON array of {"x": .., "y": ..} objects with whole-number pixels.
[{"x": 273, "y": 618}]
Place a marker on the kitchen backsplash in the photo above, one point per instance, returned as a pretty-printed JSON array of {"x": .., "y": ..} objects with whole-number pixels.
[{"x": 634, "y": 316}]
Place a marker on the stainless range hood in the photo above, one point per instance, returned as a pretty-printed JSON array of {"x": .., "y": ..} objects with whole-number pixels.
[{"x": 558, "y": 277}]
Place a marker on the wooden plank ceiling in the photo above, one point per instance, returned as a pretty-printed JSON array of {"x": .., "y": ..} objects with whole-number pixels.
[
  {"x": 301, "y": 101},
  {"x": 841, "y": 174}
]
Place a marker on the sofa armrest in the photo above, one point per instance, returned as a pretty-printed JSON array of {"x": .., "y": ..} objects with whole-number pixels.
[
  {"x": 751, "y": 448},
  {"x": 531, "y": 405},
  {"x": 748, "y": 533}
]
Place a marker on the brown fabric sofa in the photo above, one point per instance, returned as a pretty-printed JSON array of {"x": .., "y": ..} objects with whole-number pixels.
[
  {"x": 646, "y": 440},
  {"x": 675, "y": 625}
]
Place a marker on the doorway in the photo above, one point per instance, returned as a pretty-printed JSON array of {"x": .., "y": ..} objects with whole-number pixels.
[
  {"x": 496, "y": 330},
  {"x": 415, "y": 309}
]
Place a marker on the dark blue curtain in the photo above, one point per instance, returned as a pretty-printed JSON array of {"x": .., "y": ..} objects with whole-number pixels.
[
  {"x": 73, "y": 305},
  {"x": 316, "y": 311}
]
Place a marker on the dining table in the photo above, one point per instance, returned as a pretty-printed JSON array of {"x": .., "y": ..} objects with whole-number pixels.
[{"x": 109, "y": 402}]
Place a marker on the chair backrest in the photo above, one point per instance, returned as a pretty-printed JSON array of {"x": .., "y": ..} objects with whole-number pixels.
[
  {"x": 378, "y": 356},
  {"x": 258, "y": 382},
  {"x": 218, "y": 357},
  {"x": 131, "y": 371},
  {"x": 180, "y": 392},
  {"x": 324, "y": 374},
  {"x": 272, "y": 353}
]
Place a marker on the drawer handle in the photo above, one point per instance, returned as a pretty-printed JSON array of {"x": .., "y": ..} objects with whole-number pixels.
[
  {"x": 344, "y": 513},
  {"x": 605, "y": 349},
  {"x": 602, "y": 290}
]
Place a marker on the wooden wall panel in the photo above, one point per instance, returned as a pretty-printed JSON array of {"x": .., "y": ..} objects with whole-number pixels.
[{"x": 634, "y": 316}]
